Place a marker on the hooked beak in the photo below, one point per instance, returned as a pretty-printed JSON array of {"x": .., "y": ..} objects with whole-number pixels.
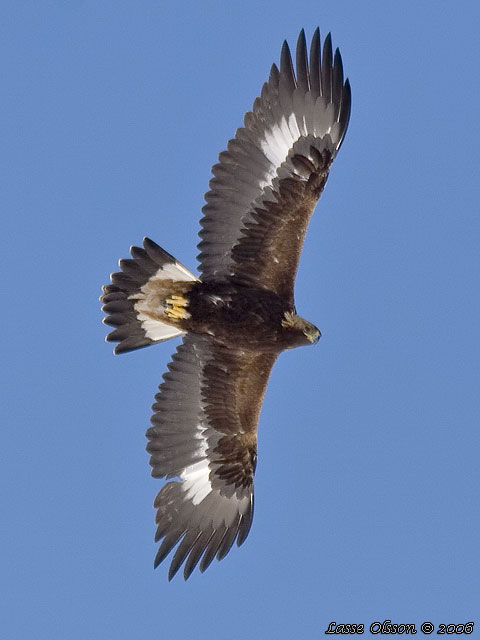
[{"x": 313, "y": 335}]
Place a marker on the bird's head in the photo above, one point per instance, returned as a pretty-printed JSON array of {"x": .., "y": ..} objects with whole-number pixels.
[{"x": 304, "y": 331}]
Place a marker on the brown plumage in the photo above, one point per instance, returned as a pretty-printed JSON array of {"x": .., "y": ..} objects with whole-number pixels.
[{"x": 239, "y": 315}]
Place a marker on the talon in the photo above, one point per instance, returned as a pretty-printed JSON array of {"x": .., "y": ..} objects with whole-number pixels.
[
  {"x": 178, "y": 314},
  {"x": 175, "y": 307},
  {"x": 177, "y": 301}
]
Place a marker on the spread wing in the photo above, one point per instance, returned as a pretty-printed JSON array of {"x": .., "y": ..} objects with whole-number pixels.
[
  {"x": 267, "y": 183},
  {"x": 205, "y": 434}
]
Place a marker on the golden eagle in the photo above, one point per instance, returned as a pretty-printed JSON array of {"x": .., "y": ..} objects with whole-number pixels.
[{"x": 239, "y": 314}]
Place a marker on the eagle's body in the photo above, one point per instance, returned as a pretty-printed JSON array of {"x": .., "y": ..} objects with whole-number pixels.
[{"x": 239, "y": 314}]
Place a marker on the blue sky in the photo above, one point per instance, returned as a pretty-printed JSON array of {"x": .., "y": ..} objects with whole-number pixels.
[{"x": 367, "y": 507}]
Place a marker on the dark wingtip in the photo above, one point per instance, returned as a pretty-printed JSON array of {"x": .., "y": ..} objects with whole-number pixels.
[
  {"x": 301, "y": 59},
  {"x": 315, "y": 44},
  {"x": 159, "y": 558},
  {"x": 286, "y": 67},
  {"x": 274, "y": 74},
  {"x": 337, "y": 59},
  {"x": 328, "y": 51},
  {"x": 188, "y": 570},
  {"x": 148, "y": 241},
  {"x": 156, "y": 252},
  {"x": 344, "y": 116},
  {"x": 285, "y": 57},
  {"x": 347, "y": 99},
  {"x": 315, "y": 63}
]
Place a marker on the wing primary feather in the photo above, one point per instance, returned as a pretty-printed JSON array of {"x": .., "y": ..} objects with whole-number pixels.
[
  {"x": 302, "y": 62},
  {"x": 274, "y": 75},
  {"x": 327, "y": 69},
  {"x": 182, "y": 551},
  {"x": 315, "y": 64},
  {"x": 212, "y": 548},
  {"x": 337, "y": 85},
  {"x": 228, "y": 539},
  {"x": 197, "y": 550},
  {"x": 344, "y": 115},
  {"x": 245, "y": 524},
  {"x": 167, "y": 545},
  {"x": 286, "y": 68}
]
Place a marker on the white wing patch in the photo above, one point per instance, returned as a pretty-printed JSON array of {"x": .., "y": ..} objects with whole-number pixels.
[
  {"x": 196, "y": 481},
  {"x": 280, "y": 138},
  {"x": 197, "y": 486},
  {"x": 196, "y": 477},
  {"x": 277, "y": 143},
  {"x": 293, "y": 126}
]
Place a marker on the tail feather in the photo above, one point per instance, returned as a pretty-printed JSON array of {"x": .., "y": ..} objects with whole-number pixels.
[{"x": 133, "y": 302}]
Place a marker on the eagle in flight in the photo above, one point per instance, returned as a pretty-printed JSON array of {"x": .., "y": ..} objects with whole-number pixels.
[{"x": 239, "y": 314}]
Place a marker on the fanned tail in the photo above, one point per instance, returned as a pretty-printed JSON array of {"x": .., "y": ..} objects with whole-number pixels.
[{"x": 135, "y": 302}]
